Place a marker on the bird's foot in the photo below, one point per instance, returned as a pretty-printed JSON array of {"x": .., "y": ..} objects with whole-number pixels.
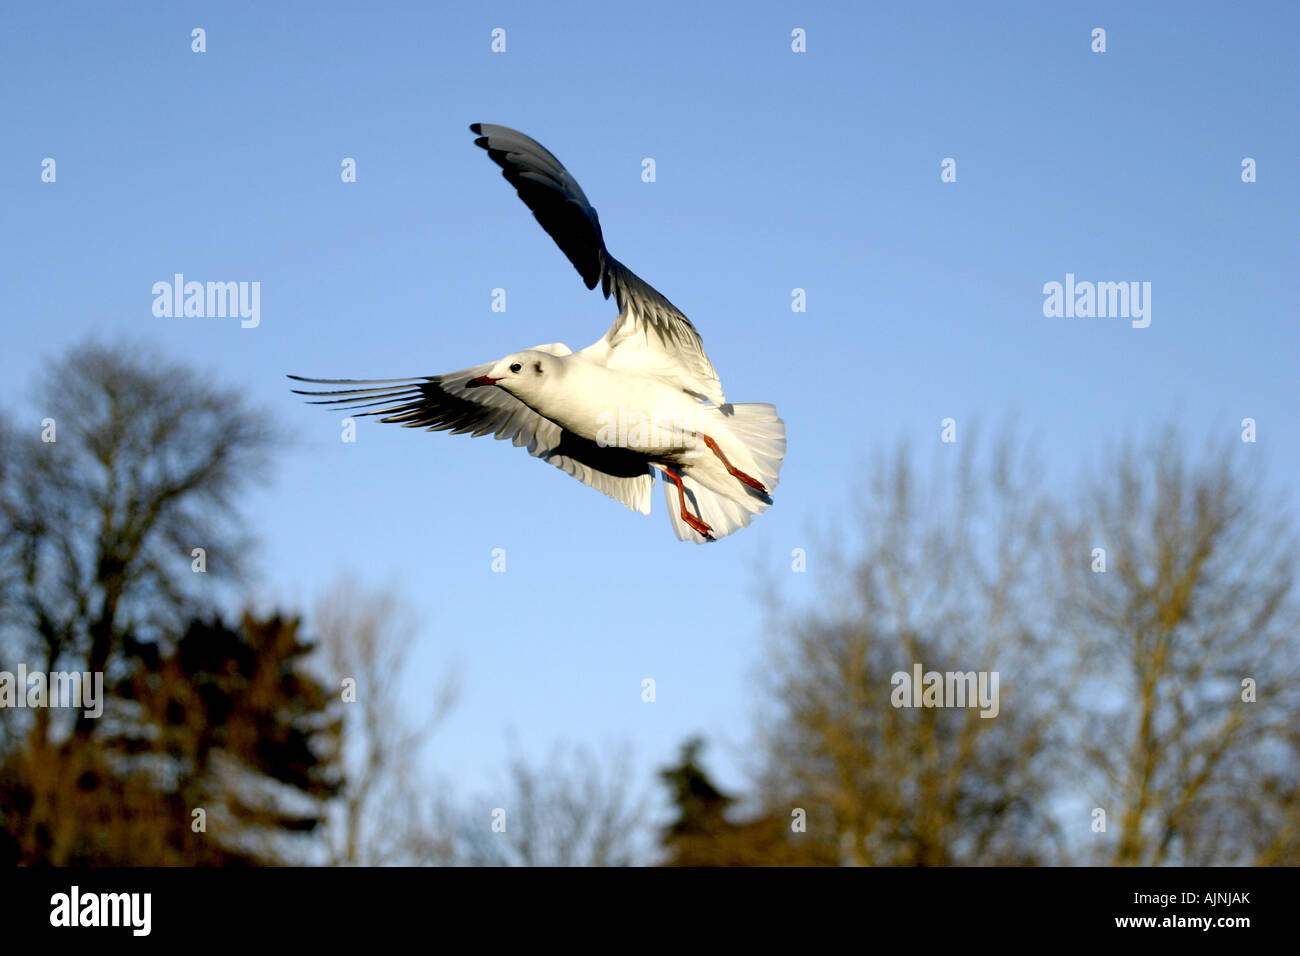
[
  {"x": 731, "y": 469},
  {"x": 701, "y": 527}
]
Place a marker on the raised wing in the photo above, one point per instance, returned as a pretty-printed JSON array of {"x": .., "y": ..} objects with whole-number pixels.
[
  {"x": 446, "y": 403},
  {"x": 650, "y": 334}
]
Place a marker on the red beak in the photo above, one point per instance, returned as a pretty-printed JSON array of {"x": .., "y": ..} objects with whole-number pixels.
[{"x": 481, "y": 381}]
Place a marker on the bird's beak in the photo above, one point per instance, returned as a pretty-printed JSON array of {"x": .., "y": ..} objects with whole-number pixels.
[{"x": 481, "y": 381}]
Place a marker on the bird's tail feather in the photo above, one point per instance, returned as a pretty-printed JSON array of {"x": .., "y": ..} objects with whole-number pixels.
[
  {"x": 761, "y": 434},
  {"x": 756, "y": 447}
]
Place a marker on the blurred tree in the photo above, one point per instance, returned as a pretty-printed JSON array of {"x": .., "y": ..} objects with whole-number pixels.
[
  {"x": 1191, "y": 639},
  {"x": 568, "y": 810},
  {"x": 139, "y": 462},
  {"x": 701, "y": 834},
  {"x": 379, "y": 816},
  {"x": 100, "y": 524},
  {"x": 221, "y": 750},
  {"x": 1151, "y": 682},
  {"x": 954, "y": 576},
  {"x": 701, "y": 807}
]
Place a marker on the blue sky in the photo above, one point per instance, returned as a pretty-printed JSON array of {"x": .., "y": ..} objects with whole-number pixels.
[{"x": 775, "y": 170}]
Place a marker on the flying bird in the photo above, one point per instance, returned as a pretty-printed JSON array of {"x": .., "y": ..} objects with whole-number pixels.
[{"x": 642, "y": 399}]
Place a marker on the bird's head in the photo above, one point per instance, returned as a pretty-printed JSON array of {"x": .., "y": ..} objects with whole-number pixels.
[{"x": 523, "y": 374}]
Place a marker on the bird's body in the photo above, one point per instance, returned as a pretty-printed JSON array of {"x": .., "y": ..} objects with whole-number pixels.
[
  {"x": 630, "y": 409},
  {"x": 643, "y": 398}
]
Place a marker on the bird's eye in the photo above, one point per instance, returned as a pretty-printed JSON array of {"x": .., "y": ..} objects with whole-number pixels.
[{"x": 516, "y": 367}]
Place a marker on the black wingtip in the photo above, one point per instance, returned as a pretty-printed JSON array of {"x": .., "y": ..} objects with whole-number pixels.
[{"x": 476, "y": 128}]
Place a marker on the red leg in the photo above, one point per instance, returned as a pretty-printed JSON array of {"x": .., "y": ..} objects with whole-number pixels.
[
  {"x": 734, "y": 472},
  {"x": 697, "y": 523}
]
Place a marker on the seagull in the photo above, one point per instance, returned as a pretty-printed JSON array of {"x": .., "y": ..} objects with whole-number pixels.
[{"x": 643, "y": 399}]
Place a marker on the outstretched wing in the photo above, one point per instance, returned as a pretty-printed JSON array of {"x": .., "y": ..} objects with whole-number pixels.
[
  {"x": 447, "y": 403},
  {"x": 650, "y": 335}
]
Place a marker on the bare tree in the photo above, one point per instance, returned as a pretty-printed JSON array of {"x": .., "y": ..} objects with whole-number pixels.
[
  {"x": 380, "y": 816},
  {"x": 1146, "y": 628},
  {"x": 138, "y": 463},
  {"x": 119, "y": 534},
  {"x": 1191, "y": 639},
  {"x": 949, "y": 576},
  {"x": 569, "y": 810}
]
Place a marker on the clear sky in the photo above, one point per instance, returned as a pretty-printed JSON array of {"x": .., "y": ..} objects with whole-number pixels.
[{"x": 775, "y": 170}]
